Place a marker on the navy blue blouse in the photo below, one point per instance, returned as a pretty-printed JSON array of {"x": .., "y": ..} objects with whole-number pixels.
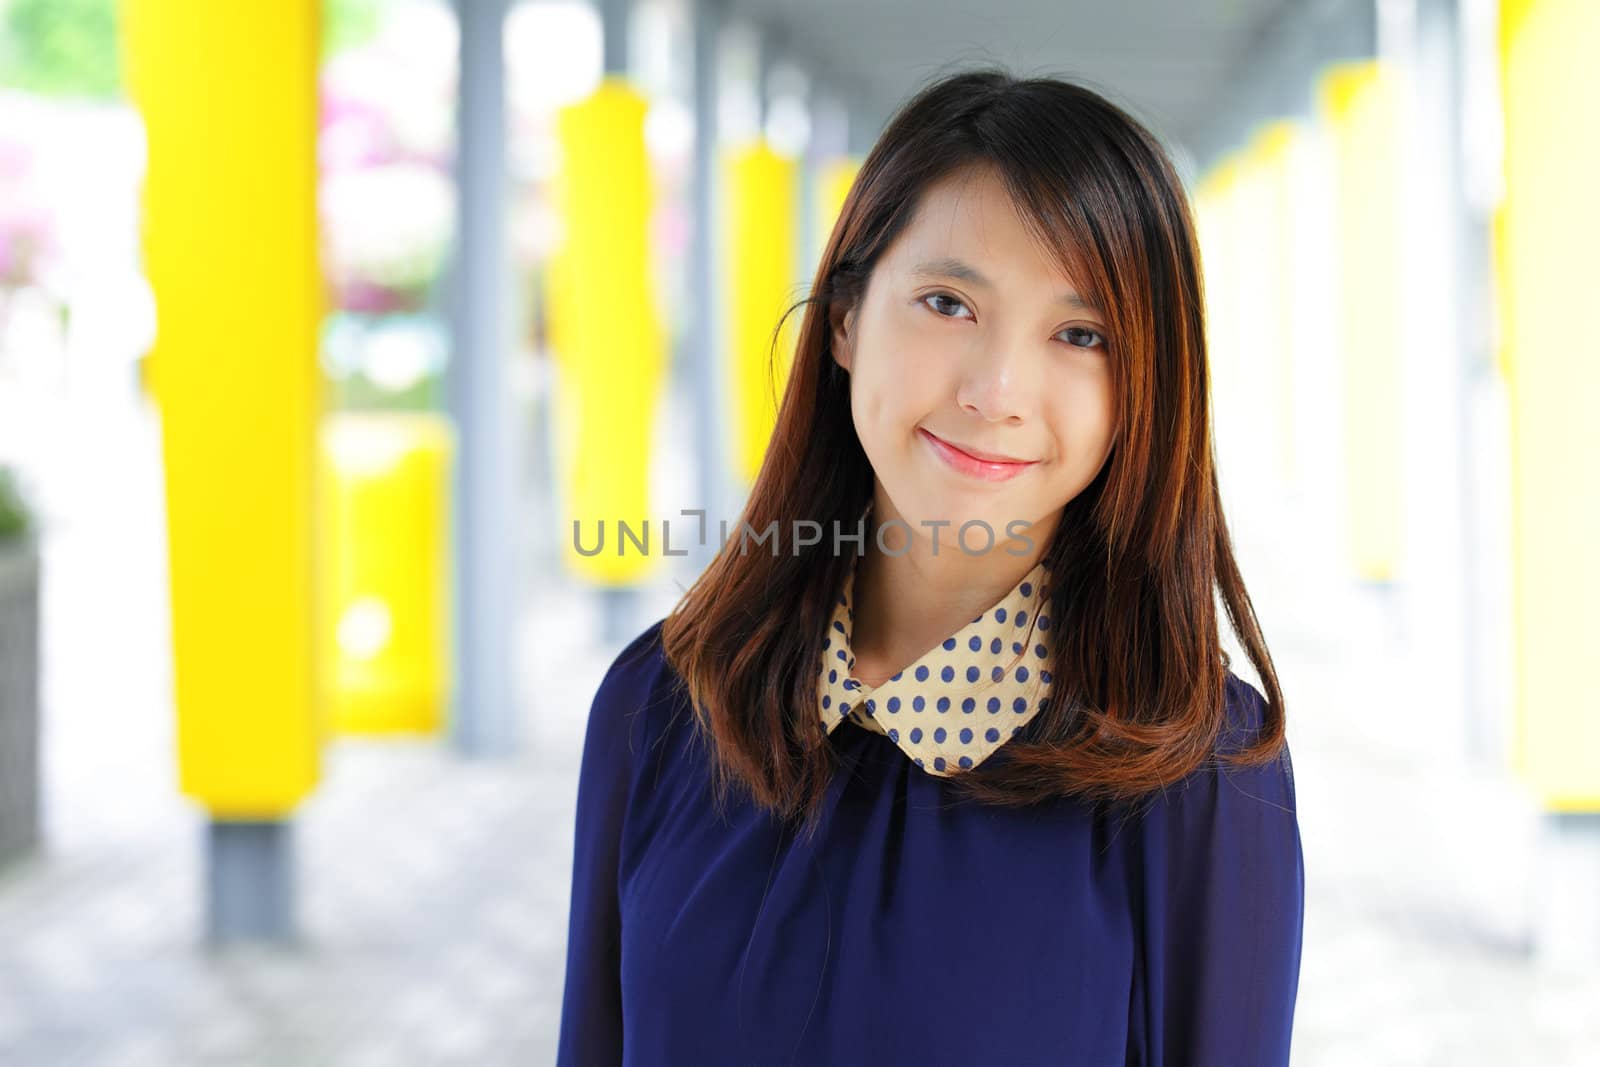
[{"x": 917, "y": 927}]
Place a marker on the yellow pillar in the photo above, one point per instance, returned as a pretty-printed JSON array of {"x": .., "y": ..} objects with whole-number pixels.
[
  {"x": 1245, "y": 222},
  {"x": 608, "y": 341},
  {"x": 1358, "y": 102},
  {"x": 1545, "y": 234},
  {"x": 833, "y": 186},
  {"x": 762, "y": 187},
  {"x": 1214, "y": 210},
  {"x": 1272, "y": 147},
  {"x": 228, "y": 97},
  {"x": 385, "y": 592}
]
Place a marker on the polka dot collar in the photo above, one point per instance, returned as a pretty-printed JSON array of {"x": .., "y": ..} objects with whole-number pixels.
[{"x": 964, "y": 697}]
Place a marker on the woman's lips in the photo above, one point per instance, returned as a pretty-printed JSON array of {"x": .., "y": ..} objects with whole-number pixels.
[{"x": 968, "y": 464}]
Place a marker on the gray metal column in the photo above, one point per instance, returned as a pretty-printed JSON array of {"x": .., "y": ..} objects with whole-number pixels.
[
  {"x": 710, "y": 411},
  {"x": 769, "y": 46},
  {"x": 1444, "y": 31},
  {"x": 619, "y": 605},
  {"x": 484, "y": 712},
  {"x": 614, "y": 34},
  {"x": 1566, "y": 911},
  {"x": 1436, "y": 439},
  {"x": 829, "y": 140},
  {"x": 250, "y": 881}
]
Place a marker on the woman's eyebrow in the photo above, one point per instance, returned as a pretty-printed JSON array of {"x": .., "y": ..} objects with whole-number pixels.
[{"x": 950, "y": 267}]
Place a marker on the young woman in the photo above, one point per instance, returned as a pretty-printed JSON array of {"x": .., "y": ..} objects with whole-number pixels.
[{"x": 898, "y": 795}]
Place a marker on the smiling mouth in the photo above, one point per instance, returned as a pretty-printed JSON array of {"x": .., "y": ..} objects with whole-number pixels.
[{"x": 982, "y": 465}]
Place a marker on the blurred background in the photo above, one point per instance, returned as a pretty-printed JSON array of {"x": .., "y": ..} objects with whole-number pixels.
[{"x": 322, "y": 322}]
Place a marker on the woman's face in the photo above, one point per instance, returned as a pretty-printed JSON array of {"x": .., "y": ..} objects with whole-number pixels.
[{"x": 969, "y": 339}]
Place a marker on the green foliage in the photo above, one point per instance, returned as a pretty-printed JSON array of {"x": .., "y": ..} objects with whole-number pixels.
[
  {"x": 61, "y": 47},
  {"x": 346, "y": 23},
  {"x": 14, "y": 517},
  {"x": 360, "y": 393},
  {"x": 70, "y": 47}
]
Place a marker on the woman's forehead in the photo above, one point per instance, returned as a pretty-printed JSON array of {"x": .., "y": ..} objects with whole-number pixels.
[{"x": 987, "y": 251}]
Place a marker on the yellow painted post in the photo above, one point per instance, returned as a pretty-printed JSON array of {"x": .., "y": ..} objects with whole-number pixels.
[
  {"x": 385, "y": 588},
  {"x": 1213, "y": 211},
  {"x": 762, "y": 189},
  {"x": 1545, "y": 235},
  {"x": 834, "y": 180},
  {"x": 1243, "y": 217},
  {"x": 228, "y": 97},
  {"x": 608, "y": 341},
  {"x": 1358, "y": 103},
  {"x": 1272, "y": 147}
]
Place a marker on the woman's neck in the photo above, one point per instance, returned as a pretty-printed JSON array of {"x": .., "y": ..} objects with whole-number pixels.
[{"x": 906, "y": 604}]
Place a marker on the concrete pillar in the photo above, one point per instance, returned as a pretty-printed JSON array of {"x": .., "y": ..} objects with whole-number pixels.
[{"x": 484, "y": 720}]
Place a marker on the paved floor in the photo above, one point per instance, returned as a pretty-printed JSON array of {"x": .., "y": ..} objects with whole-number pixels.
[{"x": 433, "y": 889}]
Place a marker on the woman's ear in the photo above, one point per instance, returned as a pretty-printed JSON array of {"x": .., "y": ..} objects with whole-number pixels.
[{"x": 841, "y": 321}]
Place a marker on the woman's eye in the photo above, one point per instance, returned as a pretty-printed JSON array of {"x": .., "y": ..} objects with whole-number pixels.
[
  {"x": 1098, "y": 341},
  {"x": 943, "y": 296},
  {"x": 1099, "y": 338}
]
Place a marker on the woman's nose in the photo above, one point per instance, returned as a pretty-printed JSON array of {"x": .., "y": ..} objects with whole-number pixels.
[{"x": 997, "y": 384}]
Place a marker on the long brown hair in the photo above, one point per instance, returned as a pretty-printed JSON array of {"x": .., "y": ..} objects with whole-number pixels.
[{"x": 1137, "y": 557}]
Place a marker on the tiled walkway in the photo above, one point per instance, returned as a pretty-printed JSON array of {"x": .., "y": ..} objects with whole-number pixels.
[{"x": 433, "y": 890}]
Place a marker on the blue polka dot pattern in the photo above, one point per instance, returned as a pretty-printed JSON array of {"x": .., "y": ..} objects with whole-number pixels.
[{"x": 978, "y": 669}]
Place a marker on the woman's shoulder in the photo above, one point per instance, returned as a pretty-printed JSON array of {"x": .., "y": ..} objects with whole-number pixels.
[
  {"x": 1245, "y": 714},
  {"x": 636, "y": 668},
  {"x": 1224, "y": 783},
  {"x": 1246, "y": 720},
  {"x": 634, "y": 684},
  {"x": 641, "y": 695},
  {"x": 1228, "y": 820}
]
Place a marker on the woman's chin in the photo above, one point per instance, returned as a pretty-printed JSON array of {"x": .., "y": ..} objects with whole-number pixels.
[{"x": 945, "y": 514}]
